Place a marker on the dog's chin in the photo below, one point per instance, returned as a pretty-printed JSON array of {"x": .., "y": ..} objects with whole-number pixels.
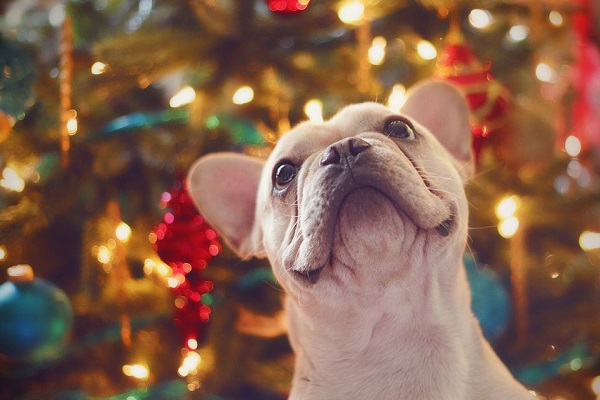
[{"x": 370, "y": 229}]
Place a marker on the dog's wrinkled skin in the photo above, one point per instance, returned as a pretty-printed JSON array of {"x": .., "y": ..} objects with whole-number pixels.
[{"x": 365, "y": 227}]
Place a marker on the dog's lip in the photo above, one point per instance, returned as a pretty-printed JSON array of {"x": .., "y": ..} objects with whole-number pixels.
[{"x": 311, "y": 276}]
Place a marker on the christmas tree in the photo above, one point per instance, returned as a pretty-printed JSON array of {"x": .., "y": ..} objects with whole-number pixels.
[{"x": 105, "y": 104}]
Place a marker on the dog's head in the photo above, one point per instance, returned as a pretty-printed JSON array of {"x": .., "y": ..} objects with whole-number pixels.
[{"x": 353, "y": 201}]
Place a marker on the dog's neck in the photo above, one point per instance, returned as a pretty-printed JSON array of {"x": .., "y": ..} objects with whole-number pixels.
[{"x": 423, "y": 348}]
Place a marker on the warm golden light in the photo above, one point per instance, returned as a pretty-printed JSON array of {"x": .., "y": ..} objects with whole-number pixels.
[
  {"x": 508, "y": 227},
  {"x": 243, "y": 95},
  {"x": 589, "y": 240},
  {"x": 507, "y": 207},
  {"x": 137, "y": 371},
  {"x": 397, "y": 97},
  {"x": 72, "y": 123},
  {"x": 11, "y": 180},
  {"x": 104, "y": 254},
  {"x": 595, "y": 385},
  {"x": 190, "y": 364},
  {"x": 426, "y": 50},
  {"x": 123, "y": 232},
  {"x": 376, "y": 54},
  {"x": 3, "y": 253},
  {"x": 351, "y": 12},
  {"x": 573, "y": 146},
  {"x": 314, "y": 110},
  {"x": 186, "y": 95},
  {"x": 480, "y": 19},
  {"x": 98, "y": 68}
]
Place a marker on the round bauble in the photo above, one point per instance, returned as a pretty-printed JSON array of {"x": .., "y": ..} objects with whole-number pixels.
[{"x": 36, "y": 317}]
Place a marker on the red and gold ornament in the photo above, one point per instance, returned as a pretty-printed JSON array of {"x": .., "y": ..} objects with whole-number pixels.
[
  {"x": 487, "y": 98},
  {"x": 186, "y": 243}
]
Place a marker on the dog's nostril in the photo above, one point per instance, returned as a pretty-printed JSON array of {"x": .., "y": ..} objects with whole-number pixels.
[
  {"x": 347, "y": 147},
  {"x": 357, "y": 146},
  {"x": 330, "y": 156}
]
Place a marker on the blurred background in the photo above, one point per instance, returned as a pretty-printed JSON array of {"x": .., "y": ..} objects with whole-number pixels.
[{"x": 120, "y": 290}]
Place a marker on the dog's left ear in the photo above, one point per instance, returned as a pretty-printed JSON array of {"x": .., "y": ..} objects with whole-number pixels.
[
  {"x": 224, "y": 187},
  {"x": 442, "y": 109}
]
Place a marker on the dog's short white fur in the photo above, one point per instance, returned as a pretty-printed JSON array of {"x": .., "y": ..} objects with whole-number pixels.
[{"x": 364, "y": 220}]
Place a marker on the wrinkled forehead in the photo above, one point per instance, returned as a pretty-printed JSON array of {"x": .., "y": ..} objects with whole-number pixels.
[{"x": 308, "y": 137}]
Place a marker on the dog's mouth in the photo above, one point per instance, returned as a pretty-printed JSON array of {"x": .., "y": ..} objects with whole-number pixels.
[{"x": 310, "y": 276}]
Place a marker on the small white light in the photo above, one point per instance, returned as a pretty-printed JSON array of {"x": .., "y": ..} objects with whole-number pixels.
[
  {"x": 186, "y": 95},
  {"x": 397, "y": 97},
  {"x": 545, "y": 73},
  {"x": 123, "y": 232},
  {"x": 3, "y": 253},
  {"x": 137, "y": 371},
  {"x": 376, "y": 54},
  {"x": 556, "y": 18},
  {"x": 508, "y": 227},
  {"x": 426, "y": 50},
  {"x": 480, "y": 19},
  {"x": 243, "y": 95},
  {"x": 573, "y": 146},
  {"x": 314, "y": 110},
  {"x": 507, "y": 207},
  {"x": 351, "y": 12},
  {"x": 11, "y": 180},
  {"x": 98, "y": 68},
  {"x": 589, "y": 240},
  {"x": 518, "y": 33}
]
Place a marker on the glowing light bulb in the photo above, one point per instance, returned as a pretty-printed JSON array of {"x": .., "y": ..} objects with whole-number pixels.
[
  {"x": 480, "y": 19},
  {"x": 545, "y": 73},
  {"x": 123, "y": 232},
  {"x": 508, "y": 227},
  {"x": 186, "y": 95},
  {"x": 426, "y": 50},
  {"x": 99, "y": 68},
  {"x": 104, "y": 254},
  {"x": 243, "y": 95},
  {"x": 589, "y": 240},
  {"x": 397, "y": 97},
  {"x": 314, "y": 110},
  {"x": 376, "y": 54},
  {"x": 351, "y": 12},
  {"x": 192, "y": 344},
  {"x": 556, "y": 18},
  {"x": 11, "y": 180},
  {"x": 507, "y": 207},
  {"x": 72, "y": 123},
  {"x": 518, "y": 33},
  {"x": 573, "y": 146},
  {"x": 595, "y": 385},
  {"x": 190, "y": 364},
  {"x": 3, "y": 253},
  {"x": 137, "y": 371}
]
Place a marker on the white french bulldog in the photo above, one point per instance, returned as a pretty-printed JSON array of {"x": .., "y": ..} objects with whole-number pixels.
[{"x": 364, "y": 220}]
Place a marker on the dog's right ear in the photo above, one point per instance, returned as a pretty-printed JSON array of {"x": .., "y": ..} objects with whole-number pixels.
[{"x": 224, "y": 187}]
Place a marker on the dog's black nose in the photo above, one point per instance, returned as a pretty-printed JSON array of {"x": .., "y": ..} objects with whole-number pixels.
[{"x": 346, "y": 147}]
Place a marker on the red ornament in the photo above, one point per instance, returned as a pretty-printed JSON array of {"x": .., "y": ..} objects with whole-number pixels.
[
  {"x": 487, "y": 98},
  {"x": 287, "y": 6},
  {"x": 186, "y": 243}
]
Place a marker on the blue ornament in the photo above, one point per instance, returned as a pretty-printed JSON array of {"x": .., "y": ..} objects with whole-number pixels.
[
  {"x": 490, "y": 300},
  {"x": 36, "y": 317},
  {"x": 17, "y": 75}
]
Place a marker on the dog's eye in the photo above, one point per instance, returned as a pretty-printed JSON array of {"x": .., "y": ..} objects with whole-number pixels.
[
  {"x": 399, "y": 129},
  {"x": 285, "y": 173}
]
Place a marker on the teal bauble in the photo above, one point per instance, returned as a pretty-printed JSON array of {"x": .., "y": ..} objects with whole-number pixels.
[{"x": 36, "y": 317}]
